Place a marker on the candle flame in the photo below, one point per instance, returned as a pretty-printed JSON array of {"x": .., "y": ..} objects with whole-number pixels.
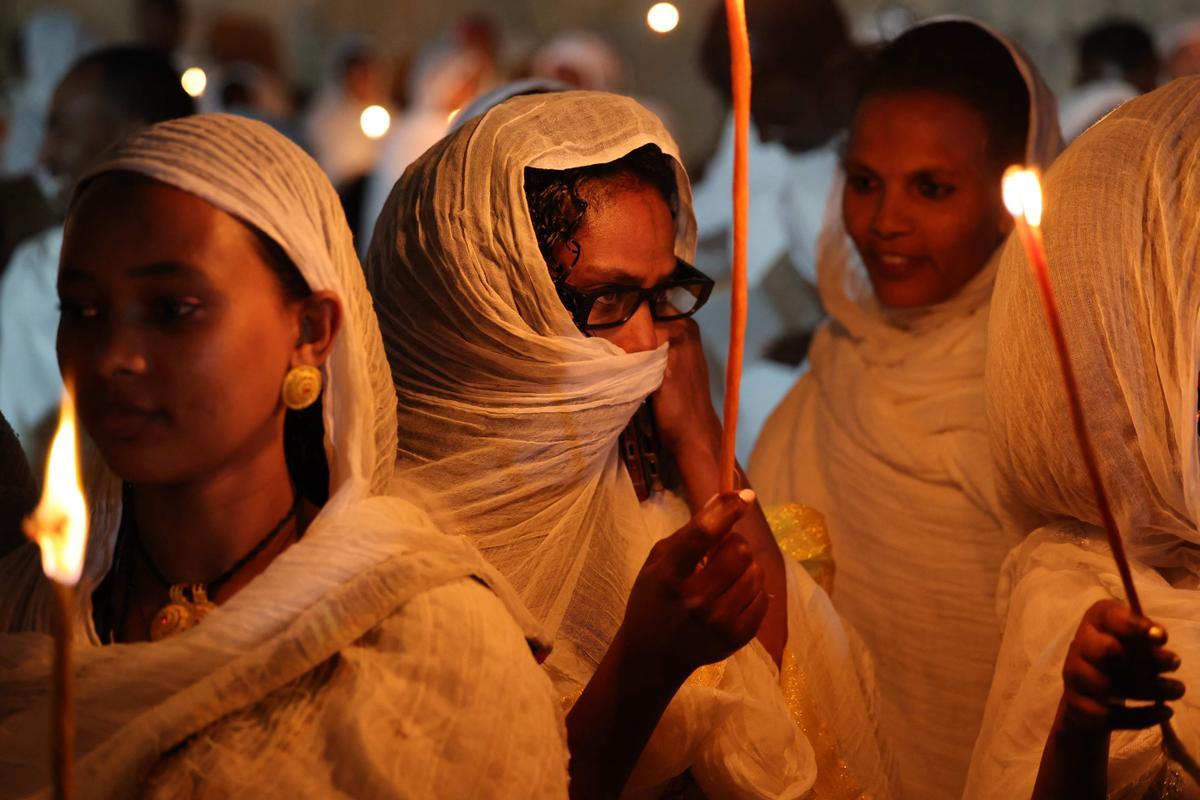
[
  {"x": 662, "y": 17},
  {"x": 1023, "y": 194},
  {"x": 374, "y": 121},
  {"x": 59, "y": 523},
  {"x": 194, "y": 81}
]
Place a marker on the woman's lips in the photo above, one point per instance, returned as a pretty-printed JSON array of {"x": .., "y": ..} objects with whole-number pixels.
[
  {"x": 126, "y": 421},
  {"x": 893, "y": 266}
]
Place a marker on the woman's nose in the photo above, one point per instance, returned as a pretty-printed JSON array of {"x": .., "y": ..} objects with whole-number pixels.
[
  {"x": 119, "y": 351},
  {"x": 891, "y": 216},
  {"x": 638, "y": 334}
]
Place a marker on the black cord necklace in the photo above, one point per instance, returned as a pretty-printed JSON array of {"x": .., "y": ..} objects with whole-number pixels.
[{"x": 189, "y": 603}]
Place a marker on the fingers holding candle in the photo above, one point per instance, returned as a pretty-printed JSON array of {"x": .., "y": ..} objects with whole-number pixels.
[{"x": 1022, "y": 193}]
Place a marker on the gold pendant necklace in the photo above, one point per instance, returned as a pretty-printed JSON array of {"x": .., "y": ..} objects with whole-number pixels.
[
  {"x": 189, "y": 603},
  {"x": 181, "y": 614}
]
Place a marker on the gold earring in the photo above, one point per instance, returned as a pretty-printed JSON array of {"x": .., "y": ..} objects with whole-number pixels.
[{"x": 301, "y": 387}]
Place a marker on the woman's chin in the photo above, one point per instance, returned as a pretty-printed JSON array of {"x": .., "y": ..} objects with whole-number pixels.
[
  {"x": 143, "y": 462},
  {"x": 902, "y": 295},
  {"x": 910, "y": 294}
]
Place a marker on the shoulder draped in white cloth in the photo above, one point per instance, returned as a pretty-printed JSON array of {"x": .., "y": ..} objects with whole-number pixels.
[
  {"x": 362, "y": 660},
  {"x": 886, "y": 435},
  {"x": 1122, "y": 230},
  {"x": 511, "y": 419},
  {"x": 32, "y": 387}
]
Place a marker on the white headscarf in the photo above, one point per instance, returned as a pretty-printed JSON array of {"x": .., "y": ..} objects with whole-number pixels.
[
  {"x": 887, "y": 436},
  {"x": 361, "y": 559},
  {"x": 508, "y": 411},
  {"x": 511, "y": 419},
  {"x": 1122, "y": 232}
]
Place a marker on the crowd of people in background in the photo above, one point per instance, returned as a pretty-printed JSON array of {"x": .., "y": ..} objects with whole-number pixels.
[
  {"x": 456, "y": 293},
  {"x": 802, "y": 96}
]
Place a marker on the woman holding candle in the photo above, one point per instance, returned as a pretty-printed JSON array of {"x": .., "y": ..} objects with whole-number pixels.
[
  {"x": 313, "y": 637},
  {"x": 1122, "y": 240},
  {"x": 531, "y": 280},
  {"x": 886, "y": 434}
]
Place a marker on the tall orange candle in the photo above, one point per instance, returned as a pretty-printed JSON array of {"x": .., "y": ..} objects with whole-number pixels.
[
  {"x": 59, "y": 526},
  {"x": 739, "y": 48},
  {"x": 1023, "y": 198}
]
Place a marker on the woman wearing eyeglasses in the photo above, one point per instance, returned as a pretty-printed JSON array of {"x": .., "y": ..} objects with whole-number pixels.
[{"x": 530, "y": 272}]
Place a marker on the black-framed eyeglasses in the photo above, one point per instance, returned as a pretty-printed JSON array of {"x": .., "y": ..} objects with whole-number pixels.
[{"x": 611, "y": 306}]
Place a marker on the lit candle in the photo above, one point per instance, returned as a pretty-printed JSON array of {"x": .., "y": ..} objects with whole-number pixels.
[
  {"x": 739, "y": 48},
  {"x": 59, "y": 526},
  {"x": 1022, "y": 191}
]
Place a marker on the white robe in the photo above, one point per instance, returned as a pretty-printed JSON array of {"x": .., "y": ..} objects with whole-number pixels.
[
  {"x": 886, "y": 435},
  {"x": 512, "y": 418},
  {"x": 30, "y": 384},
  {"x": 1122, "y": 234},
  {"x": 375, "y": 656}
]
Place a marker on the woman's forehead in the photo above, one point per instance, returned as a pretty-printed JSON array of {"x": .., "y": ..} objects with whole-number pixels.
[
  {"x": 918, "y": 125},
  {"x": 122, "y": 221}
]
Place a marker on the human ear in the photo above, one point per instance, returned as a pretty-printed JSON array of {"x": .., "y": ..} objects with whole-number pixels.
[{"x": 320, "y": 320}]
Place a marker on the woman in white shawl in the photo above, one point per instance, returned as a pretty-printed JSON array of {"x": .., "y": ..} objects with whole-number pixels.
[
  {"x": 1122, "y": 233},
  {"x": 51, "y": 40},
  {"x": 886, "y": 434},
  {"x": 513, "y": 417},
  {"x": 208, "y": 280}
]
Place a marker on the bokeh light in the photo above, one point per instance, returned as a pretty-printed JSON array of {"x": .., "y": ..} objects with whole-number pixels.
[
  {"x": 375, "y": 121},
  {"x": 662, "y": 17},
  {"x": 194, "y": 81}
]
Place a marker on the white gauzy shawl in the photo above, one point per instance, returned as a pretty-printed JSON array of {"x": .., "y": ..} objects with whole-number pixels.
[
  {"x": 886, "y": 435},
  {"x": 1122, "y": 228},
  {"x": 512, "y": 418},
  {"x": 364, "y": 661}
]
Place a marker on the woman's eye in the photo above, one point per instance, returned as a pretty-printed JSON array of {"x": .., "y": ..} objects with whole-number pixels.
[
  {"x": 860, "y": 183},
  {"x": 77, "y": 312},
  {"x": 174, "y": 310},
  {"x": 607, "y": 300},
  {"x": 934, "y": 190}
]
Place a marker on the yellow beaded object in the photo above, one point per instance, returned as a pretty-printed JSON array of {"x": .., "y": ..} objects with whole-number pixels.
[
  {"x": 834, "y": 781},
  {"x": 301, "y": 387},
  {"x": 708, "y": 676},
  {"x": 801, "y": 534}
]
